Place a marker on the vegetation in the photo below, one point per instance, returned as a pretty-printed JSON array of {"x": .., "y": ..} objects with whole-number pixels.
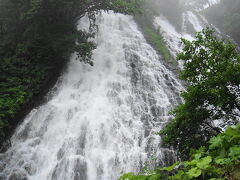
[
  {"x": 144, "y": 20},
  {"x": 36, "y": 39},
  {"x": 212, "y": 70},
  {"x": 220, "y": 160}
]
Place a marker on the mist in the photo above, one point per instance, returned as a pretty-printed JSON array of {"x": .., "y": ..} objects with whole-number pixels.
[{"x": 220, "y": 15}]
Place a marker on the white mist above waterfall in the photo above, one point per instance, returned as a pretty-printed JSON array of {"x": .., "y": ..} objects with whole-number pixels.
[{"x": 100, "y": 121}]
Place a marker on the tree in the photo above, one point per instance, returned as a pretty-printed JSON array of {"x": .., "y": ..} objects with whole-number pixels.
[{"x": 212, "y": 69}]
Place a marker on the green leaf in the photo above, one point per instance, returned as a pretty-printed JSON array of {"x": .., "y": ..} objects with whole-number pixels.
[
  {"x": 204, "y": 162},
  {"x": 223, "y": 161},
  {"x": 194, "y": 172},
  {"x": 193, "y": 162},
  {"x": 232, "y": 131},
  {"x": 154, "y": 177},
  {"x": 170, "y": 168},
  {"x": 215, "y": 142},
  {"x": 178, "y": 175},
  {"x": 197, "y": 156},
  {"x": 234, "y": 153}
]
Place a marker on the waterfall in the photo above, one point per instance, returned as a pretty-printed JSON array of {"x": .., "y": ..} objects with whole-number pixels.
[
  {"x": 192, "y": 21},
  {"x": 98, "y": 121}
]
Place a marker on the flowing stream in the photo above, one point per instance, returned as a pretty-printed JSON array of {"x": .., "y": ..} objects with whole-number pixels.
[{"x": 98, "y": 121}]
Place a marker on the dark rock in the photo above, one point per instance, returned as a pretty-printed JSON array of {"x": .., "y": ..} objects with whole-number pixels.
[
  {"x": 80, "y": 170},
  {"x": 17, "y": 175}
]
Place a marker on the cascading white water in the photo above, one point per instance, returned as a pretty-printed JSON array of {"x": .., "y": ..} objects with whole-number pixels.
[
  {"x": 171, "y": 36},
  {"x": 101, "y": 120},
  {"x": 192, "y": 21}
]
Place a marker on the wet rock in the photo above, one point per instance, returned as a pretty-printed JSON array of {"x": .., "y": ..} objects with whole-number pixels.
[
  {"x": 144, "y": 97},
  {"x": 154, "y": 111},
  {"x": 147, "y": 132},
  {"x": 179, "y": 100},
  {"x": 25, "y": 132},
  {"x": 152, "y": 101},
  {"x": 112, "y": 94},
  {"x": 2, "y": 177},
  {"x": 168, "y": 83},
  {"x": 60, "y": 153},
  {"x": 132, "y": 65},
  {"x": 35, "y": 142},
  {"x": 166, "y": 77},
  {"x": 135, "y": 76},
  {"x": 3, "y": 160},
  {"x": 145, "y": 119},
  {"x": 168, "y": 157},
  {"x": 30, "y": 169},
  {"x": 80, "y": 170},
  {"x": 119, "y": 101},
  {"x": 149, "y": 145},
  {"x": 100, "y": 171},
  {"x": 61, "y": 170},
  {"x": 17, "y": 175}
]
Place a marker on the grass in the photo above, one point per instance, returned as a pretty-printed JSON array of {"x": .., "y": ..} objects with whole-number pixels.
[{"x": 154, "y": 37}]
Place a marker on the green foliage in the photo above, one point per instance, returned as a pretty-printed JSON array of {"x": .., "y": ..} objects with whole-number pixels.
[
  {"x": 125, "y": 6},
  {"x": 131, "y": 176},
  {"x": 221, "y": 161},
  {"x": 19, "y": 81},
  {"x": 84, "y": 48},
  {"x": 213, "y": 65},
  {"x": 159, "y": 43},
  {"x": 212, "y": 69},
  {"x": 35, "y": 8},
  {"x": 144, "y": 20}
]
